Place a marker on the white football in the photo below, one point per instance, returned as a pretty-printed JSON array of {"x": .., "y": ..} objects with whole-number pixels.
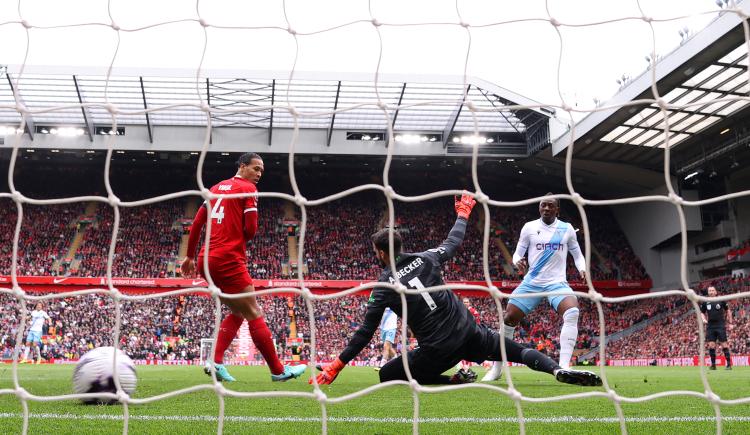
[{"x": 94, "y": 374}]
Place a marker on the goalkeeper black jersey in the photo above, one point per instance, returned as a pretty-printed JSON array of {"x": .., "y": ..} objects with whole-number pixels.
[{"x": 437, "y": 319}]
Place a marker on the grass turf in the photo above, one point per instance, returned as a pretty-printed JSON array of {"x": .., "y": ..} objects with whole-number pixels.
[{"x": 194, "y": 413}]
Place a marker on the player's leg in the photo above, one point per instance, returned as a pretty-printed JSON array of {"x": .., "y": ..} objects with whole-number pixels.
[
  {"x": 26, "y": 349},
  {"x": 425, "y": 367},
  {"x": 725, "y": 348},
  {"x": 485, "y": 345},
  {"x": 567, "y": 308},
  {"x": 711, "y": 337},
  {"x": 515, "y": 311}
]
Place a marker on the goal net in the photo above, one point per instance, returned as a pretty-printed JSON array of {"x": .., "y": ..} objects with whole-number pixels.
[{"x": 461, "y": 36}]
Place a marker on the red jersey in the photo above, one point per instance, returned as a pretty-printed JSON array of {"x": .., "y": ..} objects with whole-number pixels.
[
  {"x": 474, "y": 313},
  {"x": 227, "y": 220}
]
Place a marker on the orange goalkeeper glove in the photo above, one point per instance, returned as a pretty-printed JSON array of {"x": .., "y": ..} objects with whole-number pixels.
[
  {"x": 464, "y": 205},
  {"x": 329, "y": 373}
]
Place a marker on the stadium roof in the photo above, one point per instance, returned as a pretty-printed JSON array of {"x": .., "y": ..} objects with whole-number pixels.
[
  {"x": 244, "y": 99},
  {"x": 710, "y": 65}
]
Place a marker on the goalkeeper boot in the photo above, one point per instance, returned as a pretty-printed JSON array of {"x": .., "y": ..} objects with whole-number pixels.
[
  {"x": 222, "y": 374},
  {"x": 290, "y": 372},
  {"x": 494, "y": 374},
  {"x": 578, "y": 377}
]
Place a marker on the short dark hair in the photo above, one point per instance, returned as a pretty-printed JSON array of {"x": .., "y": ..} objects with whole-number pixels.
[
  {"x": 557, "y": 201},
  {"x": 380, "y": 240},
  {"x": 246, "y": 158}
]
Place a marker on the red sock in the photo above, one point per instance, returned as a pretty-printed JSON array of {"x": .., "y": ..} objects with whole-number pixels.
[
  {"x": 227, "y": 332},
  {"x": 264, "y": 342}
]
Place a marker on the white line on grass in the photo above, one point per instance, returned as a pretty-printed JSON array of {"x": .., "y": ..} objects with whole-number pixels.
[{"x": 402, "y": 420}]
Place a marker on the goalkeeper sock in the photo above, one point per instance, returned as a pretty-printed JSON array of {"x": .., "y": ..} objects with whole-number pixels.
[
  {"x": 712, "y": 354},
  {"x": 25, "y": 352},
  {"x": 264, "y": 342},
  {"x": 568, "y": 336},
  {"x": 227, "y": 332},
  {"x": 728, "y": 357}
]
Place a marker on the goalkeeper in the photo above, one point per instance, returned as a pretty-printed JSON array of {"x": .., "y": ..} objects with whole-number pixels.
[{"x": 443, "y": 326}]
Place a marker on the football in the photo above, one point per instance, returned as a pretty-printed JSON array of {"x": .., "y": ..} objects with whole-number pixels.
[{"x": 94, "y": 374}]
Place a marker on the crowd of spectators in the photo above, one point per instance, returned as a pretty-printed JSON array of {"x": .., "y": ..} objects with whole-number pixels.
[
  {"x": 44, "y": 239},
  {"x": 171, "y": 327}
]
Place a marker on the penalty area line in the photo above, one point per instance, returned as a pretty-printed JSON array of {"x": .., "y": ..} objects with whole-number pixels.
[{"x": 397, "y": 420}]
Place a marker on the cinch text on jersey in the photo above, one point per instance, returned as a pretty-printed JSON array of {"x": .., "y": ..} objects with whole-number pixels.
[
  {"x": 549, "y": 246},
  {"x": 408, "y": 268},
  {"x": 225, "y": 187}
]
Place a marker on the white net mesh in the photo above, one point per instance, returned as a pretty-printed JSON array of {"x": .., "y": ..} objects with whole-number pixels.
[{"x": 385, "y": 109}]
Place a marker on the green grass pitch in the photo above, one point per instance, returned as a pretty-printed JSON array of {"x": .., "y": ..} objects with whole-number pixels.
[{"x": 383, "y": 412}]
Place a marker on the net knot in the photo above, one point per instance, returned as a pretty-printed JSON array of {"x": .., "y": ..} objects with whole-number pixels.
[
  {"x": 566, "y": 107},
  {"x": 26, "y": 24},
  {"x": 22, "y": 394},
  {"x": 21, "y": 107},
  {"x": 691, "y": 294},
  {"x": 578, "y": 199},
  {"x": 414, "y": 385},
  {"x": 481, "y": 197},
  {"x": 464, "y": 24},
  {"x": 111, "y": 108},
  {"x": 375, "y": 22},
  {"x": 113, "y": 200},
  {"x": 470, "y": 105},
  {"x": 320, "y": 396},
  {"x": 647, "y": 19},
  {"x": 115, "y": 294},
  {"x": 292, "y": 111},
  {"x": 123, "y": 397},
  {"x": 17, "y": 196},
  {"x": 674, "y": 198},
  {"x": 389, "y": 192},
  {"x": 18, "y": 292},
  {"x": 291, "y": 31},
  {"x": 219, "y": 389},
  {"x": 495, "y": 292},
  {"x": 554, "y": 22},
  {"x": 114, "y": 26},
  {"x": 712, "y": 397},
  {"x": 203, "y": 22},
  {"x": 205, "y": 107},
  {"x": 215, "y": 291},
  {"x": 661, "y": 103},
  {"x": 514, "y": 394},
  {"x": 400, "y": 288},
  {"x": 300, "y": 200},
  {"x": 382, "y": 106},
  {"x": 613, "y": 396}
]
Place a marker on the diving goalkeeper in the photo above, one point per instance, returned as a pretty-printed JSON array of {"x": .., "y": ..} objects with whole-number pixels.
[{"x": 447, "y": 333}]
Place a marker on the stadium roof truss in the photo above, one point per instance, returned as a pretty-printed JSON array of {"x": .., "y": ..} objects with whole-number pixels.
[
  {"x": 418, "y": 104},
  {"x": 709, "y": 66}
]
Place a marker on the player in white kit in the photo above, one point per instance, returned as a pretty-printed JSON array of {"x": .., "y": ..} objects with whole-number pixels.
[
  {"x": 388, "y": 335},
  {"x": 547, "y": 241},
  {"x": 34, "y": 337}
]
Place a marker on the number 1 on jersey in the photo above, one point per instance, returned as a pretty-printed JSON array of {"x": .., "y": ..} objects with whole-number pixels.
[
  {"x": 417, "y": 284},
  {"x": 217, "y": 212}
]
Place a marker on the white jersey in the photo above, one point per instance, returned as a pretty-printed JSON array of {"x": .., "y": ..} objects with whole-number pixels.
[
  {"x": 389, "y": 320},
  {"x": 548, "y": 247},
  {"x": 37, "y": 320}
]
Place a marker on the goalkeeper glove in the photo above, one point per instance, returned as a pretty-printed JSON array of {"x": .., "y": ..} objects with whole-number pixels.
[
  {"x": 464, "y": 205},
  {"x": 329, "y": 373}
]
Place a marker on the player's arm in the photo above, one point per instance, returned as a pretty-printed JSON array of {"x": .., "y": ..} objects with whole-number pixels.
[
  {"x": 360, "y": 339},
  {"x": 447, "y": 249},
  {"x": 187, "y": 268},
  {"x": 519, "y": 256},
  {"x": 703, "y": 313},
  {"x": 575, "y": 250}
]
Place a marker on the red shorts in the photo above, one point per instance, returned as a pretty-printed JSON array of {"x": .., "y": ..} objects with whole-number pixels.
[{"x": 230, "y": 277}]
